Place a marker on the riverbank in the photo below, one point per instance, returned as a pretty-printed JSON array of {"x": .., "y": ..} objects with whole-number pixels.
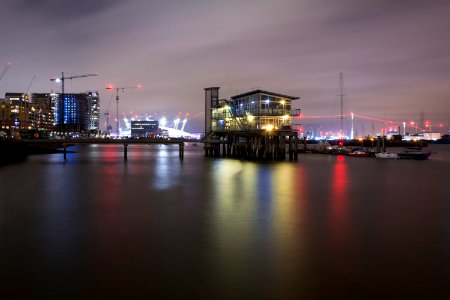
[{"x": 12, "y": 151}]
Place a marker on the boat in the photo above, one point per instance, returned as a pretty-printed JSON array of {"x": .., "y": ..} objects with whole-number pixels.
[
  {"x": 386, "y": 155},
  {"x": 336, "y": 150},
  {"x": 414, "y": 153},
  {"x": 359, "y": 154}
]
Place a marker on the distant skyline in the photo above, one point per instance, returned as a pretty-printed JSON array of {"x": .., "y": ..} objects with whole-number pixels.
[{"x": 395, "y": 54}]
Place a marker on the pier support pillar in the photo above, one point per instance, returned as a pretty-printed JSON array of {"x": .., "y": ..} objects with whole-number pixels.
[
  {"x": 291, "y": 148},
  {"x": 181, "y": 150},
  {"x": 65, "y": 151},
  {"x": 295, "y": 148},
  {"x": 125, "y": 151}
]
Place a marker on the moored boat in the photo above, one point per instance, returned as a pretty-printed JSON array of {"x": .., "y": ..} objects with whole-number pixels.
[
  {"x": 414, "y": 153},
  {"x": 359, "y": 154},
  {"x": 386, "y": 155}
]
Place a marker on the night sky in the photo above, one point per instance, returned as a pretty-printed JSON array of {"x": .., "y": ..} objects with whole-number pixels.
[{"x": 395, "y": 55}]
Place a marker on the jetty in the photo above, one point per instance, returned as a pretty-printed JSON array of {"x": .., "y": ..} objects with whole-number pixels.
[{"x": 91, "y": 141}]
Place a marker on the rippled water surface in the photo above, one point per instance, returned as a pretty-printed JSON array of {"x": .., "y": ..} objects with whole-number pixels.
[{"x": 325, "y": 227}]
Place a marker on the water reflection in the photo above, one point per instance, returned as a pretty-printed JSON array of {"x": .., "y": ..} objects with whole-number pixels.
[
  {"x": 339, "y": 203},
  {"x": 59, "y": 206},
  {"x": 166, "y": 169},
  {"x": 289, "y": 193},
  {"x": 257, "y": 224},
  {"x": 234, "y": 221},
  {"x": 98, "y": 225}
]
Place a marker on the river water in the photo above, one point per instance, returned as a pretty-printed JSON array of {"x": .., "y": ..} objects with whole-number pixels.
[{"x": 325, "y": 227}]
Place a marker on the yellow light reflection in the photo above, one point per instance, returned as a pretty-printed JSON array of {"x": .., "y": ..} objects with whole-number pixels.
[{"x": 234, "y": 219}]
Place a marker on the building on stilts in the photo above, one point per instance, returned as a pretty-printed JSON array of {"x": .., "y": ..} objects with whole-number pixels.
[{"x": 253, "y": 125}]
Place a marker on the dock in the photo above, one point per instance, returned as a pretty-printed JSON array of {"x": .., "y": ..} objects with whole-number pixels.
[
  {"x": 253, "y": 145},
  {"x": 64, "y": 143}
]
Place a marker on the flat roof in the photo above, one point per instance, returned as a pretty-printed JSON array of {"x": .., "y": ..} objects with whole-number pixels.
[{"x": 264, "y": 92}]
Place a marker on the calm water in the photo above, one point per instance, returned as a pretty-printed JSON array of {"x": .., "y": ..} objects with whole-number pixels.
[{"x": 325, "y": 227}]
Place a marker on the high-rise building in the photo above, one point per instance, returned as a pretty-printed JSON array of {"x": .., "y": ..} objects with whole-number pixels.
[
  {"x": 71, "y": 113},
  {"x": 44, "y": 110},
  {"x": 94, "y": 110},
  {"x": 77, "y": 112}
]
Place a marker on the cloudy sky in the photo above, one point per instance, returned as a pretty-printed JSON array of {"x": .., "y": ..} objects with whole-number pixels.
[{"x": 395, "y": 54}]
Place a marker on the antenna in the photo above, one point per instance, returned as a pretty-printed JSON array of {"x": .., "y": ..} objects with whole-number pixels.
[{"x": 341, "y": 96}]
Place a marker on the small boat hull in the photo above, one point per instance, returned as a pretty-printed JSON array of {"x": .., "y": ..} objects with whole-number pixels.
[
  {"x": 386, "y": 155},
  {"x": 414, "y": 153},
  {"x": 418, "y": 156},
  {"x": 359, "y": 154}
]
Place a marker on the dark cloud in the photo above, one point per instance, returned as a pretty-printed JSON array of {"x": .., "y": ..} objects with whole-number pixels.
[{"x": 57, "y": 11}]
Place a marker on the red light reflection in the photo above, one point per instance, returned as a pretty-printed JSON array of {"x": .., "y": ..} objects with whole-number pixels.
[{"x": 339, "y": 203}]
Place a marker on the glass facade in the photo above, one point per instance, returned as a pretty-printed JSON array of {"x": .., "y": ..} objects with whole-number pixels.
[
  {"x": 72, "y": 112},
  {"x": 77, "y": 112}
]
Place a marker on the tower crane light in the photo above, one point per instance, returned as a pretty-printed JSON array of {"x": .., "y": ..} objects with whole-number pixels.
[{"x": 63, "y": 78}]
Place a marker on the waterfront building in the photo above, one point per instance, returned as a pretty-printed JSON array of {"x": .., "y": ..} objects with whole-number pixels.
[
  {"x": 254, "y": 110},
  {"x": 144, "y": 128},
  {"x": 212, "y": 104},
  {"x": 71, "y": 113},
  {"x": 94, "y": 110},
  {"x": 15, "y": 111},
  {"x": 43, "y": 111},
  {"x": 77, "y": 112},
  {"x": 252, "y": 125},
  {"x": 17, "y": 98}
]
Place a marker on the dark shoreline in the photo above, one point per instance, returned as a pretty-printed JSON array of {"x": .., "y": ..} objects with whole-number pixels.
[{"x": 13, "y": 151}]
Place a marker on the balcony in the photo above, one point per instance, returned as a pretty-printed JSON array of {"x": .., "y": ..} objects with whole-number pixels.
[{"x": 278, "y": 112}]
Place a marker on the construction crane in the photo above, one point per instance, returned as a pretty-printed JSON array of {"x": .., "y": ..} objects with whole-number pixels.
[
  {"x": 111, "y": 87},
  {"x": 5, "y": 69},
  {"x": 29, "y": 86},
  {"x": 108, "y": 126},
  {"x": 62, "y": 79}
]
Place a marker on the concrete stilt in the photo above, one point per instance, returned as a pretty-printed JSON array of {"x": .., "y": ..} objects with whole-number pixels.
[{"x": 181, "y": 151}]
